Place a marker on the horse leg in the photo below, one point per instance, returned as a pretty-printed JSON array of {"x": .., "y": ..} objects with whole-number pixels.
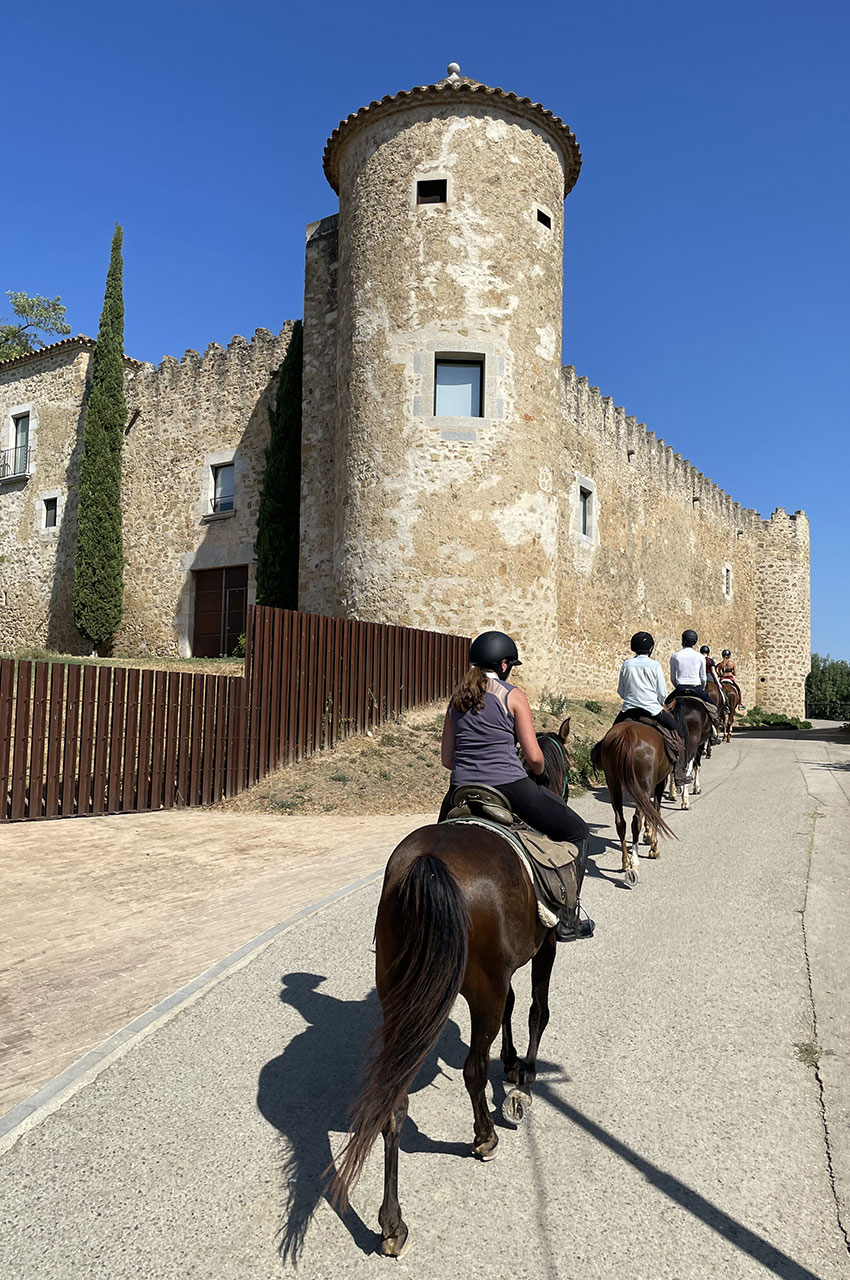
[
  {"x": 635, "y": 837},
  {"x": 486, "y": 1008},
  {"x": 510, "y": 1060},
  {"x": 393, "y": 1227},
  {"x": 659, "y": 791},
  {"x": 615, "y": 792},
  {"x": 519, "y": 1100}
]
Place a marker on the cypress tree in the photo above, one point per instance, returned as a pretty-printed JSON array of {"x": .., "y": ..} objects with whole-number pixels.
[
  {"x": 278, "y": 524},
  {"x": 99, "y": 567}
]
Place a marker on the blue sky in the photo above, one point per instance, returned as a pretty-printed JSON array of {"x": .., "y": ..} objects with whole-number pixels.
[{"x": 706, "y": 239}]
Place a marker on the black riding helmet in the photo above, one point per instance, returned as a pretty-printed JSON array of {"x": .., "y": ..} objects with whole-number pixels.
[
  {"x": 490, "y": 648},
  {"x": 726, "y": 654},
  {"x": 689, "y": 638},
  {"x": 704, "y": 649},
  {"x": 641, "y": 642}
]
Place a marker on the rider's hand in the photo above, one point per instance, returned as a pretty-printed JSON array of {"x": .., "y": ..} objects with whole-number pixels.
[{"x": 542, "y": 779}]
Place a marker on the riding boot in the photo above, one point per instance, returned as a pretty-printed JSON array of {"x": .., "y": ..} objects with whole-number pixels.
[{"x": 571, "y": 924}]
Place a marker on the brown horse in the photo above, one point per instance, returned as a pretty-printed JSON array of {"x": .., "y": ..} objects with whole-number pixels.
[
  {"x": 731, "y": 703},
  {"x": 716, "y": 694},
  {"x": 457, "y": 916},
  {"x": 633, "y": 758},
  {"x": 695, "y": 725}
]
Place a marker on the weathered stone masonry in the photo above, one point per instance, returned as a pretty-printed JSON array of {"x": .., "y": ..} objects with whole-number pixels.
[{"x": 551, "y": 514}]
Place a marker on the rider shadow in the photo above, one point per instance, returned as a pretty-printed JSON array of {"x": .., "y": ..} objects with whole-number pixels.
[{"x": 306, "y": 1091}]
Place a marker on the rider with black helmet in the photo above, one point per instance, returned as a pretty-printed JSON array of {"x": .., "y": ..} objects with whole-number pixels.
[
  {"x": 687, "y": 672},
  {"x": 486, "y": 717},
  {"x": 726, "y": 671},
  {"x": 642, "y": 686}
]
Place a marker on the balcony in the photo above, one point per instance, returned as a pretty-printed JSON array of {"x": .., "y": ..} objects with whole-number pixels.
[{"x": 14, "y": 463}]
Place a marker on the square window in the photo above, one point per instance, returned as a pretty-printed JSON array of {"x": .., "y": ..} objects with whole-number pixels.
[
  {"x": 223, "y": 488},
  {"x": 458, "y": 388},
  {"x": 585, "y": 497},
  {"x": 432, "y": 191},
  {"x": 51, "y": 506},
  {"x": 544, "y": 219}
]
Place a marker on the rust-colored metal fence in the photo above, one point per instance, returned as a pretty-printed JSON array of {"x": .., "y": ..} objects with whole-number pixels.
[{"x": 78, "y": 739}]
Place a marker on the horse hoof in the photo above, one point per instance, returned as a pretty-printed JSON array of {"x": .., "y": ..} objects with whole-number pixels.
[
  {"x": 631, "y": 877},
  {"x": 653, "y": 853},
  {"x": 512, "y": 1075},
  {"x": 486, "y": 1150},
  {"x": 515, "y": 1106},
  {"x": 396, "y": 1246}
]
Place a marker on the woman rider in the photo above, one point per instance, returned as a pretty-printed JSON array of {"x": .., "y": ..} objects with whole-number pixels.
[
  {"x": 726, "y": 671},
  {"x": 485, "y": 719}
]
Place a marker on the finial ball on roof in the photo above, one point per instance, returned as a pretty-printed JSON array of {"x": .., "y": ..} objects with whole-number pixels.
[{"x": 453, "y": 69}]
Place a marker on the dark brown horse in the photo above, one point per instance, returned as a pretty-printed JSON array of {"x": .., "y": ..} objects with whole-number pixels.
[
  {"x": 634, "y": 760},
  {"x": 695, "y": 724},
  {"x": 457, "y": 916}
]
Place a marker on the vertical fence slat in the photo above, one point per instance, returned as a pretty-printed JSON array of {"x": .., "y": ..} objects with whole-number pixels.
[
  {"x": 158, "y": 745},
  {"x": 274, "y": 696},
  {"x": 196, "y": 752},
  {"x": 20, "y": 748},
  {"x": 220, "y": 729},
  {"x": 131, "y": 741},
  {"x": 143, "y": 772},
  {"x": 184, "y": 739},
  {"x": 172, "y": 724},
  {"x": 54, "y": 739},
  {"x": 208, "y": 749},
  {"x": 242, "y": 735},
  {"x": 101, "y": 739},
  {"x": 116, "y": 742},
  {"x": 37, "y": 745},
  {"x": 70, "y": 749},
  {"x": 7, "y": 677}
]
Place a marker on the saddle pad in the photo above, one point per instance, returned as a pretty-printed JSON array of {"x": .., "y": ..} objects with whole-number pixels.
[
  {"x": 539, "y": 855},
  {"x": 672, "y": 745}
]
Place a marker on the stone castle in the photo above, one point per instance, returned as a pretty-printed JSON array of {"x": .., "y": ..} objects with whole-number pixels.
[{"x": 454, "y": 475}]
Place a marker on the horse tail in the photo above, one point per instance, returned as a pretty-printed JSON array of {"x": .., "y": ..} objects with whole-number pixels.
[
  {"x": 621, "y": 747},
  {"x": 431, "y": 923}
]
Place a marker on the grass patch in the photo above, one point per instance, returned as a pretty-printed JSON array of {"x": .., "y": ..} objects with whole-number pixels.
[
  {"x": 595, "y": 707},
  {"x": 758, "y": 719},
  {"x": 556, "y": 704}
]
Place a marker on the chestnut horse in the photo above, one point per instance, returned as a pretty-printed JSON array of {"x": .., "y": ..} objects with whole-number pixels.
[
  {"x": 457, "y": 916},
  {"x": 633, "y": 758},
  {"x": 731, "y": 703}
]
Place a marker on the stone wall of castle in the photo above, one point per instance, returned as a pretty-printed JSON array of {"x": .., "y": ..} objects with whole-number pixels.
[
  {"x": 184, "y": 417},
  {"x": 783, "y": 626},
  {"x": 665, "y": 549},
  {"x": 36, "y": 562}
]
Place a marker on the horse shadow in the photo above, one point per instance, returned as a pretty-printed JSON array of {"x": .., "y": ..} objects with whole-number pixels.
[{"x": 305, "y": 1093}]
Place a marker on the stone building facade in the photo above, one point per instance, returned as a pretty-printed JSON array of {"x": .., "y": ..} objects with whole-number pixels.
[{"x": 454, "y": 475}]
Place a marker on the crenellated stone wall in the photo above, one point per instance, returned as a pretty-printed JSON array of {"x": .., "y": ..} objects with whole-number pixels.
[
  {"x": 783, "y": 626},
  {"x": 183, "y": 417}
]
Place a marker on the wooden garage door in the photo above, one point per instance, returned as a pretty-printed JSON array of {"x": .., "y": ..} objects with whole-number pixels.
[{"x": 221, "y": 602}]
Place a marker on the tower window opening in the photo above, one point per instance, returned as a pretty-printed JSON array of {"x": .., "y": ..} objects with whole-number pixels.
[
  {"x": 727, "y": 582},
  {"x": 544, "y": 219},
  {"x": 458, "y": 388},
  {"x": 584, "y": 497},
  {"x": 50, "y": 512},
  {"x": 432, "y": 191}
]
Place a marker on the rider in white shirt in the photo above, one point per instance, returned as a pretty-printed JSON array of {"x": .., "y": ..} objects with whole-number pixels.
[
  {"x": 687, "y": 671},
  {"x": 644, "y": 691}
]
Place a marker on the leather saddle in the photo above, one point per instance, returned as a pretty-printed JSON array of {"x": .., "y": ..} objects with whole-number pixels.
[{"x": 554, "y": 864}]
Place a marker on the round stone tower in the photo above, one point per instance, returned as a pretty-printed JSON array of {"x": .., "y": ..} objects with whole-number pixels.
[{"x": 448, "y": 359}]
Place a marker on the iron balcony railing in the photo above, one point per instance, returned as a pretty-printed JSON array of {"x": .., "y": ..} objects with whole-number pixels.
[
  {"x": 14, "y": 462},
  {"x": 221, "y": 505}
]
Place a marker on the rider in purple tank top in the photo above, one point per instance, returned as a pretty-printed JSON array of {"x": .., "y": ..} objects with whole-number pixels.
[{"x": 485, "y": 720}]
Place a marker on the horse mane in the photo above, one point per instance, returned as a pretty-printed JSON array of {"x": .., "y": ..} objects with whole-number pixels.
[{"x": 556, "y": 764}]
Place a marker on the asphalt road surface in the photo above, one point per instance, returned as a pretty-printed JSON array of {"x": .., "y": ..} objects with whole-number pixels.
[{"x": 680, "y": 1129}]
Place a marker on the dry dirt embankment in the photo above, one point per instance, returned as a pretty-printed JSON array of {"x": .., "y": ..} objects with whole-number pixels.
[{"x": 396, "y": 769}]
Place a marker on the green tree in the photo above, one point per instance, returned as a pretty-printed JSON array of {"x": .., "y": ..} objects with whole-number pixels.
[
  {"x": 99, "y": 567},
  {"x": 828, "y": 688},
  {"x": 278, "y": 526},
  {"x": 33, "y": 316}
]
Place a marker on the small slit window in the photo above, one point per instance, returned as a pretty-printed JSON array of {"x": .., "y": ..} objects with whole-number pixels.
[
  {"x": 431, "y": 191},
  {"x": 458, "y": 386},
  {"x": 585, "y": 497},
  {"x": 544, "y": 219},
  {"x": 50, "y": 512},
  {"x": 727, "y": 582}
]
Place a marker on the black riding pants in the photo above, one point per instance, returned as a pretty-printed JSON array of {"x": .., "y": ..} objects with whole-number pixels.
[
  {"x": 637, "y": 713},
  {"x": 541, "y": 809}
]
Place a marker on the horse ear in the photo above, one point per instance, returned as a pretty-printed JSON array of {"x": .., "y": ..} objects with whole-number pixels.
[{"x": 564, "y": 731}]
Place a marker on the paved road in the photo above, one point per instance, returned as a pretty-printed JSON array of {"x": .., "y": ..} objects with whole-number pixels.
[{"x": 677, "y": 1133}]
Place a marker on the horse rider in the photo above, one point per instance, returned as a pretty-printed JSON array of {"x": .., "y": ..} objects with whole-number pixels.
[
  {"x": 711, "y": 674},
  {"x": 726, "y": 671},
  {"x": 644, "y": 691},
  {"x": 687, "y": 672},
  {"x": 485, "y": 719}
]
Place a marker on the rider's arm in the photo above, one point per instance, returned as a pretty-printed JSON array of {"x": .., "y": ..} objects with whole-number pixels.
[
  {"x": 702, "y": 670},
  {"x": 524, "y": 726},
  {"x": 447, "y": 750},
  {"x": 621, "y": 689},
  {"x": 660, "y": 683}
]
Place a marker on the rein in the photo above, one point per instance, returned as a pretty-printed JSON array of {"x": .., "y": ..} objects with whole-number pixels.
[{"x": 556, "y": 742}]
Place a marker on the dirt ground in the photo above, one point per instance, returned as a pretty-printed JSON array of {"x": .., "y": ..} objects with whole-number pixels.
[{"x": 396, "y": 769}]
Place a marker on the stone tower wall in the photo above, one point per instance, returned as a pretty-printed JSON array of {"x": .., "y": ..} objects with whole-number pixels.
[
  {"x": 783, "y": 625},
  {"x": 442, "y": 522}
]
